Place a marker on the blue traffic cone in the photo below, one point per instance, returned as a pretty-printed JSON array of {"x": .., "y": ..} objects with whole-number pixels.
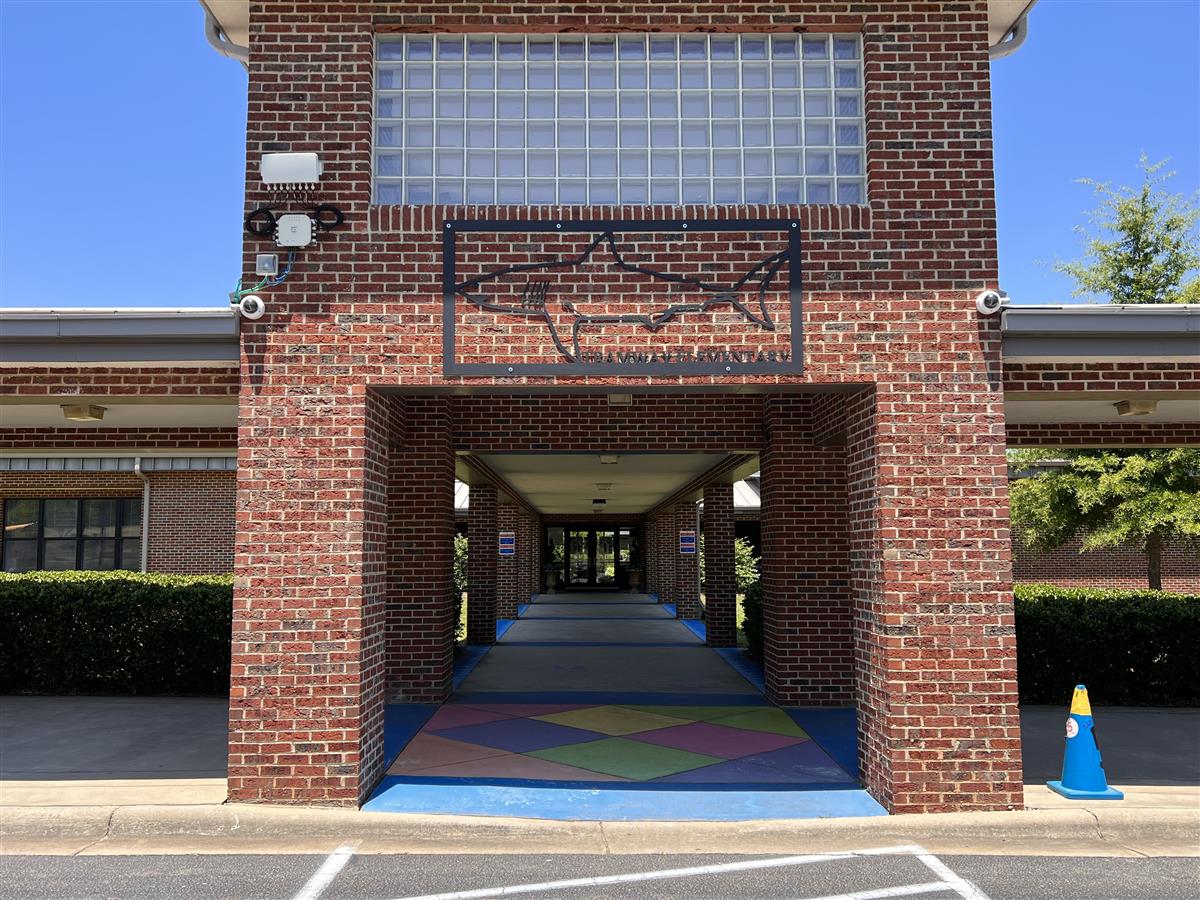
[{"x": 1083, "y": 772}]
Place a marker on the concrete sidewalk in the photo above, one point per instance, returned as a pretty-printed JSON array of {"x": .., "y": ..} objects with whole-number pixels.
[{"x": 146, "y": 775}]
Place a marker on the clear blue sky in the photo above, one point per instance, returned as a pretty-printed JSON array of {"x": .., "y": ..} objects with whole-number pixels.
[{"x": 122, "y": 132}]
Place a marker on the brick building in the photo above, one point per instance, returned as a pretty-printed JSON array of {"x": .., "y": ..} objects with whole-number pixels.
[{"x": 600, "y": 263}]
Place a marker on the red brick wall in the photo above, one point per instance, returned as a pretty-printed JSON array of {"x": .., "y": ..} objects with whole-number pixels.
[
  {"x": 308, "y": 680},
  {"x": 720, "y": 585},
  {"x": 508, "y": 518},
  {"x": 1093, "y": 376},
  {"x": 420, "y": 629},
  {"x": 888, "y": 300},
  {"x": 1105, "y": 434},
  {"x": 482, "y": 565},
  {"x": 935, "y": 643},
  {"x": 191, "y": 522},
  {"x": 686, "y": 595},
  {"x": 59, "y": 382},
  {"x": 131, "y": 439},
  {"x": 191, "y": 513},
  {"x": 806, "y": 604},
  {"x": 1114, "y": 567}
]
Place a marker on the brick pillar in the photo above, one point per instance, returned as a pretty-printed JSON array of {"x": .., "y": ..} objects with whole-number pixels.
[
  {"x": 720, "y": 582},
  {"x": 508, "y": 568},
  {"x": 934, "y": 635},
  {"x": 538, "y": 559},
  {"x": 307, "y": 679},
  {"x": 421, "y": 607},
  {"x": 807, "y": 633},
  {"x": 687, "y": 566},
  {"x": 526, "y": 554},
  {"x": 668, "y": 546},
  {"x": 481, "y": 565}
]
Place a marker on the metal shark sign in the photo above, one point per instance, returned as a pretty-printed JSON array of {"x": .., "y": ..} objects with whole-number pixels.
[{"x": 621, "y": 298}]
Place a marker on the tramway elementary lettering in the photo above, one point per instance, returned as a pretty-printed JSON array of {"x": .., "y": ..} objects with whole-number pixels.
[{"x": 685, "y": 357}]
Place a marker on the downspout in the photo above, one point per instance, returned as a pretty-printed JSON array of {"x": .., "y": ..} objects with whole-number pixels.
[
  {"x": 1011, "y": 42},
  {"x": 220, "y": 41},
  {"x": 137, "y": 470}
]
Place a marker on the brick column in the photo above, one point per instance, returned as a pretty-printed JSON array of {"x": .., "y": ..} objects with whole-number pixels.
[
  {"x": 307, "y": 678},
  {"x": 508, "y": 568},
  {"x": 421, "y": 607},
  {"x": 720, "y": 582},
  {"x": 526, "y": 557},
  {"x": 664, "y": 556},
  {"x": 934, "y": 636},
  {"x": 807, "y": 635},
  {"x": 481, "y": 565},
  {"x": 538, "y": 560},
  {"x": 687, "y": 566}
]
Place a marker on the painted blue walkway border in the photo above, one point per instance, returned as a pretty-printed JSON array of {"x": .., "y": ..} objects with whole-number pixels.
[
  {"x": 466, "y": 660},
  {"x": 576, "y": 804},
  {"x": 746, "y": 667},
  {"x": 696, "y": 627}
]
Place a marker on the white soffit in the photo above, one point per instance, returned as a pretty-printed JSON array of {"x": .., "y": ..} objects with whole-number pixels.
[
  {"x": 122, "y": 415},
  {"x": 1002, "y": 15}
]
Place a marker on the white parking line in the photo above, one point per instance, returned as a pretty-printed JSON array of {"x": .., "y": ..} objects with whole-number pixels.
[
  {"x": 965, "y": 889},
  {"x": 950, "y": 881},
  {"x": 907, "y": 890},
  {"x": 334, "y": 863}
]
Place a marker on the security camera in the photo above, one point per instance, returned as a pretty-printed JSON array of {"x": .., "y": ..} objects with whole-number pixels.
[
  {"x": 990, "y": 302},
  {"x": 252, "y": 307}
]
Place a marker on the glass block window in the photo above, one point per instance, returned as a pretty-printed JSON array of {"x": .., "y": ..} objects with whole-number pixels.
[
  {"x": 67, "y": 533},
  {"x": 630, "y": 119}
]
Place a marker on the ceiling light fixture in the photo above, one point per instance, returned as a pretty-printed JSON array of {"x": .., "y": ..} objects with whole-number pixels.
[
  {"x": 83, "y": 412},
  {"x": 1135, "y": 407},
  {"x": 598, "y": 501},
  {"x": 608, "y": 459},
  {"x": 604, "y": 485}
]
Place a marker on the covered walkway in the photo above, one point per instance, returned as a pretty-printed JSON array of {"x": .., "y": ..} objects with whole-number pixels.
[{"x": 595, "y": 705}]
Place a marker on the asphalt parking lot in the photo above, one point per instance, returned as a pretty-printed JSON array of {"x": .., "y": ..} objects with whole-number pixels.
[{"x": 862, "y": 875}]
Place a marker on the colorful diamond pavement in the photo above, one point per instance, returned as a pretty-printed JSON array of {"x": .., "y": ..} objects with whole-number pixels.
[
  {"x": 589, "y": 710},
  {"x": 698, "y": 745}
]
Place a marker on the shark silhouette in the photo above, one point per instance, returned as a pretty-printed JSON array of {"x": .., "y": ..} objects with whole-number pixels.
[{"x": 532, "y": 303}]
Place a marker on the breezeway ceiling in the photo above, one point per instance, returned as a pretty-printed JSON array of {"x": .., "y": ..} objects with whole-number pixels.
[{"x": 565, "y": 483}]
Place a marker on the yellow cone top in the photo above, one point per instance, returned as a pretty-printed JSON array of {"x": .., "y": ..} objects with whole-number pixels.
[{"x": 1080, "y": 706}]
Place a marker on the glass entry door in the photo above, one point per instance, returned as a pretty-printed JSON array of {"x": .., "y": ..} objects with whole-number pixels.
[{"x": 591, "y": 556}]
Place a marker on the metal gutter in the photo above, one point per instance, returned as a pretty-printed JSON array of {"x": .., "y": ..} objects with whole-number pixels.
[
  {"x": 1101, "y": 331},
  {"x": 118, "y": 335}
]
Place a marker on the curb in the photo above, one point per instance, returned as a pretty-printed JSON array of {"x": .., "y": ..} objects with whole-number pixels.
[{"x": 247, "y": 828}]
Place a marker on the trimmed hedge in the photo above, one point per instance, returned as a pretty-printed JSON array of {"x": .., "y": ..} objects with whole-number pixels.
[
  {"x": 752, "y": 623},
  {"x": 1131, "y": 648},
  {"x": 114, "y": 633}
]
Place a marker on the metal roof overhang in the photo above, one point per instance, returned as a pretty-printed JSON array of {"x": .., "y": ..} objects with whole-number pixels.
[
  {"x": 118, "y": 336},
  {"x": 1124, "y": 333}
]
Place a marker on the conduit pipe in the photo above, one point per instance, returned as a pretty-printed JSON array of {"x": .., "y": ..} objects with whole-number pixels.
[
  {"x": 137, "y": 470},
  {"x": 220, "y": 40}
]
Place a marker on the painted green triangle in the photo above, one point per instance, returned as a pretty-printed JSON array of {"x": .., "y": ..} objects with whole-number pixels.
[{"x": 772, "y": 721}]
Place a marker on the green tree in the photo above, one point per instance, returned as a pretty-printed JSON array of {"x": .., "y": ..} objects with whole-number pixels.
[
  {"x": 460, "y": 583},
  {"x": 1147, "y": 249},
  {"x": 1109, "y": 498},
  {"x": 745, "y": 563}
]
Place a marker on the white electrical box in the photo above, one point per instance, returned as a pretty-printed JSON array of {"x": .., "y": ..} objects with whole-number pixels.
[
  {"x": 290, "y": 168},
  {"x": 266, "y": 264},
  {"x": 294, "y": 230}
]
